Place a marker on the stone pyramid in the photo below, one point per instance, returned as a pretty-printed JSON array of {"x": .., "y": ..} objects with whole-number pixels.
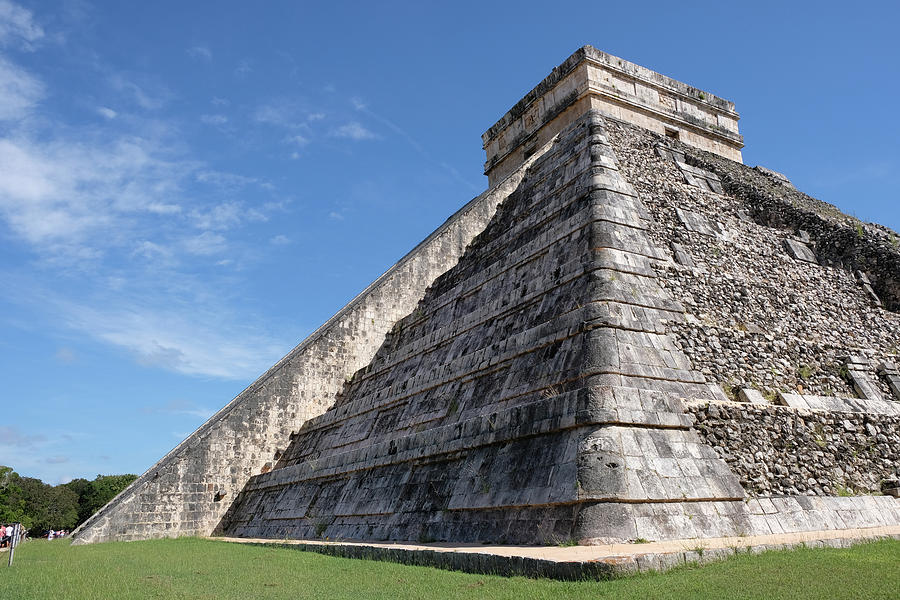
[
  {"x": 585, "y": 353},
  {"x": 532, "y": 389}
]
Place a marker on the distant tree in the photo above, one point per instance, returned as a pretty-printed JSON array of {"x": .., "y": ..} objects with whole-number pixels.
[
  {"x": 79, "y": 486},
  {"x": 100, "y": 491},
  {"x": 12, "y": 500},
  {"x": 39, "y": 506},
  {"x": 49, "y": 507}
]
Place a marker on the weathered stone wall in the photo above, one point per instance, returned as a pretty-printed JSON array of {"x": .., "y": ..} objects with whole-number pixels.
[
  {"x": 779, "y": 451},
  {"x": 757, "y": 316},
  {"x": 188, "y": 490},
  {"x": 594, "y": 80},
  {"x": 839, "y": 239},
  {"x": 532, "y": 387}
]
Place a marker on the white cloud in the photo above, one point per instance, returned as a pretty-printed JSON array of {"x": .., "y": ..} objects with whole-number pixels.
[
  {"x": 223, "y": 179},
  {"x": 336, "y": 216},
  {"x": 161, "y": 208},
  {"x": 354, "y": 131},
  {"x": 280, "y": 240},
  {"x": 200, "y": 53},
  {"x": 220, "y": 217},
  {"x": 152, "y": 251},
  {"x": 107, "y": 112},
  {"x": 299, "y": 140},
  {"x": 148, "y": 95},
  {"x": 226, "y": 215},
  {"x": 214, "y": 119},
  {"x": 120, "y": 204},
  {"x": 17, "y": 22},
  {"x": 193, "y": 342},
  {"x": 63, "y": 192},
  {"x": 182, "y": 407},
  {"x": 287, "y": 113},
  {"x": 275, "y": 114},
  {"x": 19, "y": 91},
  {"x": 205, "y": 244}
]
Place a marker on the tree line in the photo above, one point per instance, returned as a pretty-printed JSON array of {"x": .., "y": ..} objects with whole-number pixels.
[{"x": 40, "y": 507}]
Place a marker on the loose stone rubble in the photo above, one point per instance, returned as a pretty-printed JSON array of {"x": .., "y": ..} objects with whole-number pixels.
[
  {"x": 757, "y": 317},
  {"x": 780, "y": 451}
]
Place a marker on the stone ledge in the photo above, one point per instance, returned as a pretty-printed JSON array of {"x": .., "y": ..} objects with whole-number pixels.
[
  {"x": 577, "y": 562},
  {"x": 809, "y": 403}
]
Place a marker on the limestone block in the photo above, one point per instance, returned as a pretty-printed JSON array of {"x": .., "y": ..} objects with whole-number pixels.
[
  {"x": 858, "y": 370},
  {"x": 697, "y": 222},
  {"x": 889, "y": 372},
  {"x": 752, "y": 396},
  {"x": 682, "y": 256},
  {"x": 800, "y": 251}
]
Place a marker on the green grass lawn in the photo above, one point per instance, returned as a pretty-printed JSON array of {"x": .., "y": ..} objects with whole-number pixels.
[{"x": 196, "y": 568}]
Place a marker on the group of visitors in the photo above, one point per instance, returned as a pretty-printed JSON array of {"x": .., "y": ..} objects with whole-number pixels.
[
  {"x": 57, "y": 534},
  {"x": 6, "y": 533}
]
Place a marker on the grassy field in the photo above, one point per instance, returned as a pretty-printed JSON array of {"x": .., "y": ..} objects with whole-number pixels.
[{"x": 196, "y": 568}]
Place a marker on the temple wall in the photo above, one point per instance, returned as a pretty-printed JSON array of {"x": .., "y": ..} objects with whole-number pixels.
[{"x": 188, "y": 491}]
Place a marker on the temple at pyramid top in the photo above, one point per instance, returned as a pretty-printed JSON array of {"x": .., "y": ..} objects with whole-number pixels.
[{"x": 592, "y": 79}]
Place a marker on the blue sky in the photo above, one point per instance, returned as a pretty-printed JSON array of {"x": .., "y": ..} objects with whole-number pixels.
[{"x": 187, "y": 190}]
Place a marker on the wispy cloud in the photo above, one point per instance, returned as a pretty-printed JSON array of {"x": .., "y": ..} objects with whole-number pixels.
[
  {"x": 14, "y": 437},
  {"x": 214, "y": 119},
  {"x": 280, "y": 113},
  {"x": 200, "y": 53},
  {"x": 181, "y": 407},
  {"x": 122, "y": 203},
  {"x": 57, "y": 194},
  {"x": 205, "y": 244},
  {"x": 226, "y": 215},
  {"x": 17, "y": 25},
  {"x": 297, "y": 140},
  {"x": 19, "y": 91},
  {"x": 280, "y": 240},
  {"x": 360, "y": 106},
  {"x": 223, "y": 179},
  {"x": 354, "y": 131},
  {"x": 193, "y": 342},
  {"x": 149, "y": 95},
  {"x": 106, "y": 112}
]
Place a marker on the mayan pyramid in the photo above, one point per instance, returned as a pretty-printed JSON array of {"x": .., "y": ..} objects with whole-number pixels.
[{"x": 630, "y": 335}]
